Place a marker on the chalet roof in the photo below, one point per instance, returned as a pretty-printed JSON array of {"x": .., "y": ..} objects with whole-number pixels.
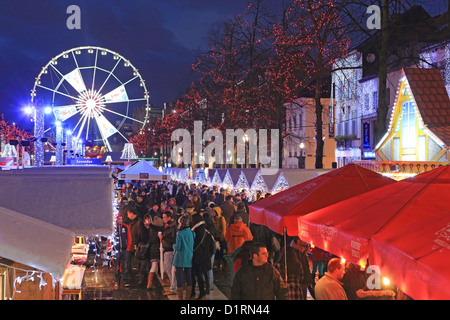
[{"x": 432, "y": 101}]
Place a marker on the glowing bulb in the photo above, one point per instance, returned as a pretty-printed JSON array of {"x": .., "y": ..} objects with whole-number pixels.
[
  {"x": 386, "y": 281},
  {"x": 28, "y": 110},
  {"x": 47, "y": 110}
]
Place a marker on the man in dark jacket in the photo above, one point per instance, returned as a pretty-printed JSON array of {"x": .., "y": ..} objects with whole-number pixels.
[
  {"x": 228, "y": 209},
  {"x": 220, "y": 199},
  {"x": 297, "y": 265},
  {"x": 168, "y": 238},
  {"x": 258, "y": 280},
  {"x": 204, "y": 248},
  {"x": 138, "y": 235},
  {"x": 122, "y": 245}
]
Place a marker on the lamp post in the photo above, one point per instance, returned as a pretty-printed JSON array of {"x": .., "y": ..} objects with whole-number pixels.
[{"x": 302, "y": 157}]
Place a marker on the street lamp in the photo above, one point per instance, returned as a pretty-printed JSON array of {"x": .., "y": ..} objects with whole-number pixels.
[{"x": 302, "y": 157}]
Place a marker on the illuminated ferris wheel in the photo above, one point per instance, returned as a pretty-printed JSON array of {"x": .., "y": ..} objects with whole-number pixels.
[{"x": 93, "y": 92}]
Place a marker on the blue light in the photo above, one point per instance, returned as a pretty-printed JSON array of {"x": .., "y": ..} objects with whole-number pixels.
[
  {"x": 48, "y": 110},
  {"x": 28, "y": 110}
]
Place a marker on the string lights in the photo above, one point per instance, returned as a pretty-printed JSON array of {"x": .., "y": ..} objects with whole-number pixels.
[{"x": 30, "y": 275}]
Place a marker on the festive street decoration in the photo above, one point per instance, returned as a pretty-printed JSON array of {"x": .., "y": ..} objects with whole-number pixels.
[
  {"x": 9, "y": 151},
  {"x": 59, "y": 146},
  {"x": 128, "y": 152},
  {"x": 216, "y": 179},
  {"x": 258, "y": 185},
  {"x": 227, "y": 182},
  {"x": 95, "y": 152},
  {"x": 242, "y": 182},
  {"x": 281, "y": 184},
  {"x": 39, "y": 134}
]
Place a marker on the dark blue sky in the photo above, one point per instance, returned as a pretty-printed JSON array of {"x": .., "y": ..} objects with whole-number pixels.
[{"x": 159, "y": 37}]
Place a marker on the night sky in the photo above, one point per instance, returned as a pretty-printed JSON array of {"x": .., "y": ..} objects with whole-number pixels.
[{"x": 159, "y": 37}]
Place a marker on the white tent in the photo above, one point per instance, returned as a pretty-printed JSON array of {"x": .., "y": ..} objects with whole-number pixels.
[
  {"x": 143, "y": 171},
  {"x": 35, "y": 243}
]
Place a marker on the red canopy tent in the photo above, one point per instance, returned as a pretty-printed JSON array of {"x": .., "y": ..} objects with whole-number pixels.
[
  {"x": 416, "y": 256},
  {"x": 281, "y": 210},
  {"x": 346, "y": 228}
]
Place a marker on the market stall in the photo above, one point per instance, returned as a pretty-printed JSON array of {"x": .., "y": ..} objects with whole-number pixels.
[
  {"x": 142, "y": 170},
  {"x": 38, "y": 253},
  {"x": 347, "y": 228},
  {"x": 416, "y": 256},
  {"x": 77, "y": 198}
]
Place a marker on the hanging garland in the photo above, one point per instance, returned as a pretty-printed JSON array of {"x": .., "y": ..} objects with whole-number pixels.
[{"x": 29, "y": 276}]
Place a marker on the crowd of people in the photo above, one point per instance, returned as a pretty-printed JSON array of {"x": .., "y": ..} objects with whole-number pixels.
[{"x": 190, "y": 230}]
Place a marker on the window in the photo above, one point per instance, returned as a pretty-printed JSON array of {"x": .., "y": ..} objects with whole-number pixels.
[
  {"x": 375, "y": 100},
  {"x": 366, "y": 103},
  {"x": 408, "y": 125},
  {"x": 422, "y": 148},
  {"x": 396, "y": 156}
]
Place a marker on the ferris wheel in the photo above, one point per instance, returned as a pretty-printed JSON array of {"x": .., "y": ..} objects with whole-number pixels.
[{"x": 93, "y": 92}]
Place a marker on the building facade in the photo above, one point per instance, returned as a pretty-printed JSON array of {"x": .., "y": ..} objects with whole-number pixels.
[
  {"x": 355, "y": 84},
  {"x": 299, "y": 142}
]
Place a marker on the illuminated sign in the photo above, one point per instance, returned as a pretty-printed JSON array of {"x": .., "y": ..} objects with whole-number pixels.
[
  {"x": 369, "y": 155},
  {"x": 84, "y": 161}
]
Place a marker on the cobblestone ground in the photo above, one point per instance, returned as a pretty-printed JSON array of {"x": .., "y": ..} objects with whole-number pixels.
[{"x": 99, "y": 278}]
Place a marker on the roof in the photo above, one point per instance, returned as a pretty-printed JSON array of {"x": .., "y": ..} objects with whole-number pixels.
[
  {"x": 78, "y": 198},
  {"x": 431, "y": 97},
  {"x": 143, "y": 167},
  {"x": 34, "y": 242}
]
